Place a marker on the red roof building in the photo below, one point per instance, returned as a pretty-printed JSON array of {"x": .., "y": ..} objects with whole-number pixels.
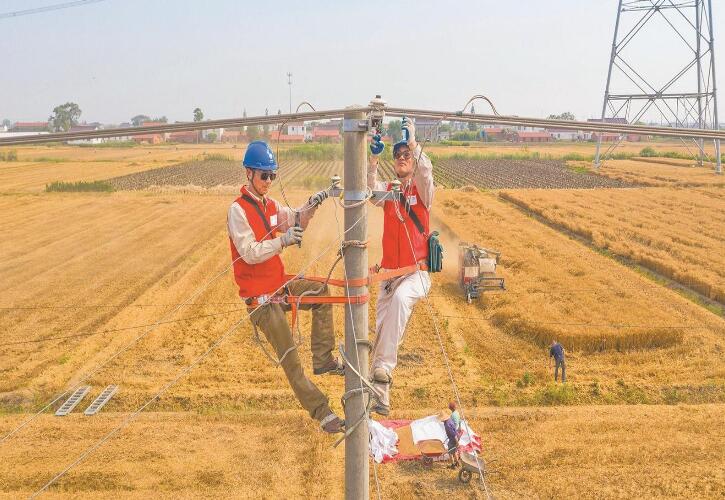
[
  {"x": 234, "y": 136},
  {"x": 605, "y": 136},
  {"x": 30, "y": 127},
  {"x": 186, "y": 136},
  {"x": 325, "y": 135},
  {"x": 275, "y": 136},
  {"x": 531, "y": 137}
]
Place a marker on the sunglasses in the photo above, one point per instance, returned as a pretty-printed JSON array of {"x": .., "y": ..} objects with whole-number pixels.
[
  {"x": 267, "y": 175},
  {"x": 405, "y": 156}
]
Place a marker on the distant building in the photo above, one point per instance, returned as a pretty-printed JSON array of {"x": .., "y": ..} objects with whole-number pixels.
[
  {"x": 153, "y": 138},
  {"x": 569, "y": 135},
  {"x": 185, "y": 137},
  {"x": 296, "y": 128},
  {"x": 605, "y": 136},
  {"x": 30, "y": 127},
  {"x": 518, "y": 136},
  {"x": 86, "y": 128},
  {"x": 275, "y": 136},
  {"x": 234, "y": 136},
  {"x": 320, "y": 134},
  {"x": 426, "y": 129},
  {"x": 493, "y": 134}
]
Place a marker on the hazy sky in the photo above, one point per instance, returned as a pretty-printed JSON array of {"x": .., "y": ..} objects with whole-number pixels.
[{"x": 119, "y": 58}]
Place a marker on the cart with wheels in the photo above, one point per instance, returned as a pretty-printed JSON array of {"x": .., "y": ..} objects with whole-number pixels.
[{"x": 469, "y": 467}]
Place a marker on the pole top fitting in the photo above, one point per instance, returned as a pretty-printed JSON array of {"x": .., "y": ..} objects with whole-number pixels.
[{"x": 377, "y": 112}]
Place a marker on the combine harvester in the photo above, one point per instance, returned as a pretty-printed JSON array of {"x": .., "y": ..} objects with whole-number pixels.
[{"x": 477, "y": 270}]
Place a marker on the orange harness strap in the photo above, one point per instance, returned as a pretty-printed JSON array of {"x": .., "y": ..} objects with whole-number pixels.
[
  {"x": 374, "y": 276},
  {"x": 294, "y": 301}
]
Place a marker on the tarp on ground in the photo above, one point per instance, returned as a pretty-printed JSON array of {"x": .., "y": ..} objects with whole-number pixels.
[{"x": 429, "y": 439}]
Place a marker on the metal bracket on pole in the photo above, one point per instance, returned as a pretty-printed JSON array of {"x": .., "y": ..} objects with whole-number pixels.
[
  {"x": 353, "y": 125},
  {"x": 355, "y": 195}
]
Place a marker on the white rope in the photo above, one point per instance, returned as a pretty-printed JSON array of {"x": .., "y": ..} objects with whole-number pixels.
[{"x": 170, "y": 384}]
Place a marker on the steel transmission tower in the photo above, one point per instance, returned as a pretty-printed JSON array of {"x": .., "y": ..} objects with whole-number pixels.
[{"x": 662, "y": 68}]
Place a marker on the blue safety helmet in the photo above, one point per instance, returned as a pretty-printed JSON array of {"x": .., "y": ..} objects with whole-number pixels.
[{"x": 259, "y": 156}]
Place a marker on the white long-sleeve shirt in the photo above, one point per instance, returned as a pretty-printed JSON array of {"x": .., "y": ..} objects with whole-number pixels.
[
  {"x": 240, "y": 231},
  {"x": 422, "y": 177}
]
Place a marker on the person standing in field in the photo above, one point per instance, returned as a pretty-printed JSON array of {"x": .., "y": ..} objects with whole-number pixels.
[
  {"x": 405, "y": 244},
  {"x": 253, "y": 222},
  {"x": 556, "y": 351},
  {"x": 449, "y": 426}
]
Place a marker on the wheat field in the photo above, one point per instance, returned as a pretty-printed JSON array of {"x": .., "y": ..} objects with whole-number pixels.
[{"x": 84, "y": 274}]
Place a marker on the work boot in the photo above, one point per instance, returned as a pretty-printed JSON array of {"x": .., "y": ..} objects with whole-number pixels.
[
  {"x": 381, "y": 376},
  {"x": 380, "y": 409},
  {"x": 333, "y": 367},
  {"x": 332, "y": 424}
]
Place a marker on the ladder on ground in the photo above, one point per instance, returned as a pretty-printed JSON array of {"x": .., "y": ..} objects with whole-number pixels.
[
  {"x": 73, "y": 401},
  {"x": 101, "y": 400}
]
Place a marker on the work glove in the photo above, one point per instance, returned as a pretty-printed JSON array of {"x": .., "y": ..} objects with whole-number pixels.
[
  {"x": 408, "y": 124},
  {"x": 293, "y": 236},
  {"x": 317, "y": 198},
  {"x": 377, "y": 146}
]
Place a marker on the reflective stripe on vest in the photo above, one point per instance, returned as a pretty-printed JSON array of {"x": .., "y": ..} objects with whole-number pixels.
[
  {"x": 266, "y": 277},
  {"x": 396, "y": 245}
]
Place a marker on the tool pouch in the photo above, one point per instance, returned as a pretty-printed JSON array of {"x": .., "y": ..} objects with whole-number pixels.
[{"x": 435, "y": 253}]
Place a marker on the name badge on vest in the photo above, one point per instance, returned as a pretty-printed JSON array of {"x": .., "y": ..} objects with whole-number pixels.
[
  {"x": 412, "y": 200},
  {"x": 273, "y": 220}
]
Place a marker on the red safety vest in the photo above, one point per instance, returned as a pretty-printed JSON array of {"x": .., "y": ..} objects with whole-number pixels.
[
  {"x": 396, "y": 245},
  {"x": 266, "y": 277}
]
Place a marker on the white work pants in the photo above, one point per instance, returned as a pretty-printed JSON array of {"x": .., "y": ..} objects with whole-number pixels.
[{"x": 393, "y": 312}]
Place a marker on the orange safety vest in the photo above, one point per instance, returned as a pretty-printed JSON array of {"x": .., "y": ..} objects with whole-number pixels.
[
  {"x": 266, "y": 277},
  {"x": 396, "y": 245}
]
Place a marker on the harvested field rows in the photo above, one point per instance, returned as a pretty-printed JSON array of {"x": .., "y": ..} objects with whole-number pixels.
[
  {"x": 541, "y": 265},
  {"x": 507, "y": 174},
  {"x": 558, "y": 149},
  {"x": 675, "y": 232},
  {"x": 211, "y": 173},
  {"x": 655, "y": 173}
]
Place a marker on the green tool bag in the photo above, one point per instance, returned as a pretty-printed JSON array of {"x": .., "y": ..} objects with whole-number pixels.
[
  {"x": 435, "y": 253},
  {"x": 435, "y": 249}
]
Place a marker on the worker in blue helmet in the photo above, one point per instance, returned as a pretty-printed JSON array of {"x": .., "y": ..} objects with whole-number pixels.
[
  {"x": 405, "y": 245},
  {"x": 260, "y": 228}
]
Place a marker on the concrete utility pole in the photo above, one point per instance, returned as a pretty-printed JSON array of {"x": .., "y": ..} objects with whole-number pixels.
[{"x": 356, "y": 315}]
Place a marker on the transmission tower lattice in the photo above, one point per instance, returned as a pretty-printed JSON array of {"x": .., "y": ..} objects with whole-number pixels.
[{"x": 653, "y": 77}]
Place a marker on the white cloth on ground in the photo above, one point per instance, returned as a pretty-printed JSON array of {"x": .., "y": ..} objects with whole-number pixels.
[
  {"x": 428, "y": 428},
  {"x": 432, "y": 428},
  {"x": 382, "y": 441}
]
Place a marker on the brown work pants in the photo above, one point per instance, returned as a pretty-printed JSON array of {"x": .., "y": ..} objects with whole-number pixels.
[{"x": 271, "y": 320}]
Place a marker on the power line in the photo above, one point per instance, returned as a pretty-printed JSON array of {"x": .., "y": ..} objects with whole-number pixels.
[{"x": 47, "y": 8}]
